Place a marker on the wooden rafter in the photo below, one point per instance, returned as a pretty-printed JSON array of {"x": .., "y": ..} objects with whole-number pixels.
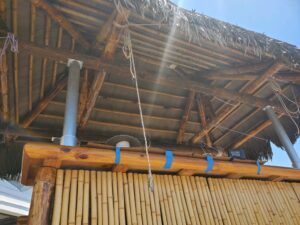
[
  {"x": 16, "y": 59},
  {"x": 62, "y": 21},
  {"x": 250, "y": 89},
  {"x": 91, "y": 101},
  {"x": 4, "y": 88},
  {"x": 55, "y": 64},
  {"x": 4, "y": 70},
  {"x": 185, "y": 117},
  {"x": 111, "y": 32},
  {"x": 202, "y": 115},
  {"x": 83, "y": 98},
  {"x": 45, "y": 60},
  {"x": 32, "y": 38},
  {"x": 252, "y": 134},
  {"x": 44, "y": 103},
  {"x": 94, "y": 63}
]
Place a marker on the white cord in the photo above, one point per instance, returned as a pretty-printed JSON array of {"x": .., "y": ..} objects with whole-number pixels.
[
  {"x": 280, "y": 95},
  {"x": 11, "y": 40},
  {"x": 128, "y": 53}
]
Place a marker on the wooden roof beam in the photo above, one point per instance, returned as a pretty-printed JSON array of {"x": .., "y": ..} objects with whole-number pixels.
[
  {"x": 4, "y": 88},
  {"x": 249, "y": 89},
  {"x": 111, "y": 33},
  {"x": 96, "y": 63},
  {"x": 44, "y": 102},
  {"x": 185, "y": 117},
  {"x": 202, "y": 115},
  {"x": 91, "y": 101},
  {"x": 62, "y": 21}
]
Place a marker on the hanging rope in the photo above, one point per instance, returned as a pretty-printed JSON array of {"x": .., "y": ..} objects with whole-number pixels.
[
  {"x": 128, "y": 53},
  {"x": 11, "y": 40},
  {"x": 281, "y": 96}
]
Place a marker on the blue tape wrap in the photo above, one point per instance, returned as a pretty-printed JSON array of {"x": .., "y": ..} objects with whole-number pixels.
[
  {"x": 258, "y": 167},
  {"x": 118, "y": 155},
  {"x": 169, "y": 159},
  {"x": 210, "y": 163}
]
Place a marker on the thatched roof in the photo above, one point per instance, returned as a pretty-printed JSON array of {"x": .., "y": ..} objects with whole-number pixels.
[
  {"x": 176, "y": 52},
  {"x": 197, "y": 27}
]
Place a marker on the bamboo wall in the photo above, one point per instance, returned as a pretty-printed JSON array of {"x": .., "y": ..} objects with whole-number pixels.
[{"x": 100, "y": 198}]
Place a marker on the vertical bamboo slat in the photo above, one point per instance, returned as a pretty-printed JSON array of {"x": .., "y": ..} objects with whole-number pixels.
[
  {"x": 66, "y": 196},
  {"x": 112, "y": 198},
  {"x": 94, "y": 207},
  {"x": 58, "y": 197},
  {"x": 79, "y": 197}
]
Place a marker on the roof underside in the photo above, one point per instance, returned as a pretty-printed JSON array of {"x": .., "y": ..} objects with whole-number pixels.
[{"x": 196, "y": 46}]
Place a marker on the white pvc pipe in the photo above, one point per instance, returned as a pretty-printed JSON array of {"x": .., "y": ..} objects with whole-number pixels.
[{"x": 70, "y": 119}]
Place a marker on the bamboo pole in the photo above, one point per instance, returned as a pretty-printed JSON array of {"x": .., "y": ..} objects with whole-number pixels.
[
  {"x": 73, "y": 194},
  {"x": 137, "y": 199},
  {"x": 122, "y": 218},
  {"x": 104, "y": 199},
  {"x": 127, "y": 200},
  {"x": 79, "y": 208},
  {"x": 31, "y": 58},
  {"x": 115, "y": 198},
  {"x": 147, "y": 199},
  {"x": 66, "y": 196},
  {"x": 86, "y": 198},
  {"x": 94, "y": 206},
  {"x": 99, "y": 197},
  {"x": 143, "y": 201},
  {"x": 15, "y": 60},
  {"x": 179, "y": 218},
  {"x": 161, "y": 200},
  {"x": 58, "y": 197},
  {"x": 132, "y": 199},
  {"x": 157, "y": 205},
  {"x": 110, "y": 200}
]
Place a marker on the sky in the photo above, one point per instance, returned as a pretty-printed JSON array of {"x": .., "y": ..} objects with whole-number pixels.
[{"x": 279, "y": 19}]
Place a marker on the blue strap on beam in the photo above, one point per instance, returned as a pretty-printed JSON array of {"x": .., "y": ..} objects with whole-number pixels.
[
  {"x": 258, "y": 166},
  {"x": 169, "y": 159},
  {"x": 118, "y": 155},
  {"x": 210, "y": 163}
]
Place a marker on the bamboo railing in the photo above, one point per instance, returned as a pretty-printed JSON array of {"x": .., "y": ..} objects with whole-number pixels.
[{"x": 98, "y": 198}]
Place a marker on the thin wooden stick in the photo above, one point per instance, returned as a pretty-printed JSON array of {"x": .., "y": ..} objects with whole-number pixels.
[
  {"x": 147, "y": 200},
  {"x": 94, "y": 208},
  {"x": 183, "y": 206},
  {"x": 179, "y": 219},
  {"x": 73, "y": 194},
  {"x": 58, "y": 197},
  {"x": 80, "y": 197}
]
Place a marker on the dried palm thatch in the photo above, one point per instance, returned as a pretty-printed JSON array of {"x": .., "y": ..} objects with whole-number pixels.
[{"x": 197, "y": 27}]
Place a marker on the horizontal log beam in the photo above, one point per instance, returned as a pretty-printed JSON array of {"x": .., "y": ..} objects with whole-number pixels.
[
  {"x": 62, "y": 21},
  {"x": 92, "y": 158}
]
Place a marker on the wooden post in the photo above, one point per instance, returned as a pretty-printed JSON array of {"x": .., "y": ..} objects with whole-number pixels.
[{"x": 41, "y": 197}]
